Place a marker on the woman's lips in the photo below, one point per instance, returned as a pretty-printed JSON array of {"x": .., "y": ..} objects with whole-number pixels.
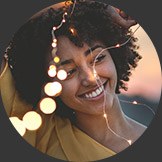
[{"x": 94, "y": 94}]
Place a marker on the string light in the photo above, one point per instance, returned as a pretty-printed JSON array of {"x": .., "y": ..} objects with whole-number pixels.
[
  {"x": 139, "y": 104},
  {"x": 99, "y": 82},
  {"x": 56, "y": 59},
  {"x": 18, "y": 124},
  {"x": 54, "y": 44},
  {"x": 47, "y": 106},
  {"x": 105, "y": 115},
  {"x": 135, "y": 102},
  {"x": 52, "y": 71},
  {"x": 118, "y": 45},
  {"x": 53, "y": 88},
  {"x": 32, "y": 120},
  {"x": 62, "y": 74}
]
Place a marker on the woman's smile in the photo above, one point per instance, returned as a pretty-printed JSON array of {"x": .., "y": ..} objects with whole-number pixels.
[
  {"x": 94, "y": 94},
  {"x": 83, "y": 91}
]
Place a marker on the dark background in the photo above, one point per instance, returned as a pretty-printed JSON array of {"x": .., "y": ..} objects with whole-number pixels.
[{"x": 13, "y": 14}]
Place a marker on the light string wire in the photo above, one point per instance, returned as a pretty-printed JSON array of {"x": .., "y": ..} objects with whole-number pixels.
[
  {"x": 140, "y": 104},
  {"x": 99, "y": 83}
]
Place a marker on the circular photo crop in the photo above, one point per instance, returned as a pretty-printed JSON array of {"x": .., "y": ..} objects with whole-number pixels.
[{"x": 80, "y": 81}]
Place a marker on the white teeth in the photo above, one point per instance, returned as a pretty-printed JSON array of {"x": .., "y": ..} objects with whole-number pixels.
[
  {"x": 95, "y": 93},
  {"x": 98, "y": 91}
]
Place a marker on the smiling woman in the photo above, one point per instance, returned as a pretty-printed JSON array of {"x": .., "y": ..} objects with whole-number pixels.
[{"x": 79, "y": 77}]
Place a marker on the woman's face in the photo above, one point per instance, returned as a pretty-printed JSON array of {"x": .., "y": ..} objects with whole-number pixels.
[{"x": 80, "y": 90}]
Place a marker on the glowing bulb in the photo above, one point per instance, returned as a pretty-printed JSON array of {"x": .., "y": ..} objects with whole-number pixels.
[
  {"x": 54, "y": 28},
  {"x": 55, "y": 40},
  {"x": 58, "y": 87},
  {"x": 54, "y": 44},
  {"x": 53, "y": 88},
  {"x": 56, "y": 59},
  {"x": 118, "y": 45},
  {"x": 105, "y": 115},
  {"x": 18, "y": 124},
  {"x": 94, "y": 73},
  {"x": 63, "y": 20},
  {"x": 52, "y": 71},
  {"x": 72, "y": 30},
  {"x": 62, "y": 74},
  {"x": 135, "y": 102},
  {"x": 49, "y": 89},
  {"x": 129, "y": 141},
  {"x": 32, "y": 120},
  {"x": 47, "y": 105},
  {"x": 65, "y": 13}
]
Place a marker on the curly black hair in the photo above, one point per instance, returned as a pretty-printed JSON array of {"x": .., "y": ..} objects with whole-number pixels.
[{"x": 31, "y": 45}]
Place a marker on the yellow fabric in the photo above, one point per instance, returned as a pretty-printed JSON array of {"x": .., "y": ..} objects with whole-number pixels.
[{"x": 56, "y": 137}]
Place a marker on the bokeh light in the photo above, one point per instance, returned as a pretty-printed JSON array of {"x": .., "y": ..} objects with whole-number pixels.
[
  {"x": 18, "y": 124},
  {"x": 52, "y": 71},
  {"x": 54, "y": 44},
  {"x": 52, "y": 88},
  {"x": 62, "y": 74},
  {"x": 47, "y": 105},
  {"x": 32, "y": 120},
  {"x": 56, "y": 59}
]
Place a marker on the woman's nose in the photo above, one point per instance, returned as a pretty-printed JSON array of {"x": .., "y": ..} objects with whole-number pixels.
[{"x": 87, "y": 77}]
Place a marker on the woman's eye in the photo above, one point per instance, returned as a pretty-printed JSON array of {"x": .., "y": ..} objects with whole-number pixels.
[
  {"x": 99, "y": 58},
  {"x": 70, "y": 72}
]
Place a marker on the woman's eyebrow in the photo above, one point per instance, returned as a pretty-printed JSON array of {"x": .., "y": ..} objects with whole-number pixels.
[
  {"x": 86, "y": 53},
  {"x": 92, "y": 49},
  {"x": 66, "y": 62}
]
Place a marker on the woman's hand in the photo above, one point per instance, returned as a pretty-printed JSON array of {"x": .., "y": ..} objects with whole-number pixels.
[{"x": 121, "y": 18}]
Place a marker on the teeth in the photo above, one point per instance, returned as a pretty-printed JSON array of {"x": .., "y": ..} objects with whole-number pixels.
[
  {"x": 98, "y": 91},
  {"x": 95, "y": 93}
]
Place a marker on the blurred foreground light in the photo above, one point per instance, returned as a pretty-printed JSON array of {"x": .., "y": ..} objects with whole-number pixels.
[
  {"x": 105, "y": 115},
  {"x": 52, "y": 88},
  {"x": 129, "y": 141},
  {"x": 32, "y": 120},
  {"x": 18, "y": 124},
  {"x": 47, "y": 105},
  {"x": 62, "y": 74},
  {"x": 56, "y": 59},
  {"x": 135, "y": 102},
  {"x": 54, "y": 44},
  {"x": 52, "y": 71}
]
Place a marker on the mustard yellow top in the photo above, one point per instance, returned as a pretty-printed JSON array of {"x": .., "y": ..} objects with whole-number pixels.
[{"x": 56, "y": 137}]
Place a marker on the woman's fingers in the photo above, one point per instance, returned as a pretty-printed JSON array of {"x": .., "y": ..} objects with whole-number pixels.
[{"x": 121, "y": 17}]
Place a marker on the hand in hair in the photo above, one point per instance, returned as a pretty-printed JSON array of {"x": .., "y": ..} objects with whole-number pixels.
[{"x": 121, "y": 18}]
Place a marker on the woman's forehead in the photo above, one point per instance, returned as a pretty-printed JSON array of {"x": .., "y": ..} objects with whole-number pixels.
[{"x": 66, "y": 48}]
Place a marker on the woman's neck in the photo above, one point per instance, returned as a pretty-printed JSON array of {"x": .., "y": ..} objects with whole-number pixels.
[{"x": 95, "y": 125}]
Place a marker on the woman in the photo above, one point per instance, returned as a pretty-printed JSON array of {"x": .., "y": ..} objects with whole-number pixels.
[{"x": 88, "y": 123}]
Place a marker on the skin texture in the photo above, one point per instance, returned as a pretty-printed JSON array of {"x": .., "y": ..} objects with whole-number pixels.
[
  {"x": 82, "y": 80},
  {"x": 89, "y": 112}
]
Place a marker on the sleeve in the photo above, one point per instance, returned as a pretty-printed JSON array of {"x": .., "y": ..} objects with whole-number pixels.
[{"x": 12, "y": 103}]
